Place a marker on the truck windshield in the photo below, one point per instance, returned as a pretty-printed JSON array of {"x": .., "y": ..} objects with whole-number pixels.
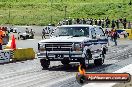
[{"x": 71, "y": 31}]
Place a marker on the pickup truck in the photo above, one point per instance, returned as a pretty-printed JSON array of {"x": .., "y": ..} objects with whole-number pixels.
[{"x": 74, "y": 43}]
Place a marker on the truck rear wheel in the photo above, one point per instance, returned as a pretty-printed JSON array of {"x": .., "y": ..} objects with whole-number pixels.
[
  {"x": 98, "y": 62},
  {"x": 44, "y": 63}
]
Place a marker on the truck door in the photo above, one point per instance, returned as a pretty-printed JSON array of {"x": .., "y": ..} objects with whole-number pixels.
[
  {"x": 101, "y": 35},
  {"x": 93, "y": 40}
]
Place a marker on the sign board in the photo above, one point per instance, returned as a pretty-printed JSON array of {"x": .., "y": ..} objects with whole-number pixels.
[{"x": 5, "y": 56}]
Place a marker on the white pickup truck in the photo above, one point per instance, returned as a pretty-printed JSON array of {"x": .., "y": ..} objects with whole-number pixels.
[{"x": 74, "y": 43}]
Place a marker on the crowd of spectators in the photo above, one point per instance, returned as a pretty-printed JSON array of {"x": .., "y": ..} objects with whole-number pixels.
[{"x": 105, "y": 23}]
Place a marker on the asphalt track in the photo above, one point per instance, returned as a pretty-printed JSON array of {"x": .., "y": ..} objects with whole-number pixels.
[{"x": 30, "y": 74}]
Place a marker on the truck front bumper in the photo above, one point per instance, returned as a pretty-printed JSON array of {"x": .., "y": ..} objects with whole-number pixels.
[{"x": 61, "y": 55}]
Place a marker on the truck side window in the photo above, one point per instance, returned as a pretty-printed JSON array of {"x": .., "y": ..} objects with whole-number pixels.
[
  {"x": 99, "y": 31},
  {"x": 93, "y": 33}
]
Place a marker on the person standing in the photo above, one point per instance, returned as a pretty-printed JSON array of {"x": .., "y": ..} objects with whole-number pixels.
[
  {"x": 91, "y": 21},
  {"x": 114, "y": 36},
  {"x": 129, "y": 25},
  {"x": 27, "y": 31},
  {"x": 99, "y": 22},
  {"x": 43, "y": 34},
  {"x": 83, "y": 21},
  {"x": 95, "y": 21},
  {"x": 113, "y": 24},
  {"x": 103, "y": 22},
  {"x": 124, "y": 23},
  {"x": 1, "y": 39},
  {"x": 32, "y": 33},
  {"x": 107, "y": 22},
  {"x": 78, "y": 21},
  {"x": 117, "y": 24}
]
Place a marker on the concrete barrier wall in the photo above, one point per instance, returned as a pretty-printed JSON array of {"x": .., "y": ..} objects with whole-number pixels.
[
  {"x": 23, "y": 54},
  {"x": 5, "y": 56}
]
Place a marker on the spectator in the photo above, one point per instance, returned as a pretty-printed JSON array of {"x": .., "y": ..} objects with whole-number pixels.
[
  {"x": 78, "y": 21},
  {"x": 107, "y": 22},
  {"x": 83, "y": 21},
  {"x": 1, "y": 39},
  {"x": 107, "y": 35},
  {"x": 106, "y": 32},
  {"x": 95, "y": 21},
  {"x": 91, "y": 21},
  {"x": 70, "y": 21},
  {"x": 32, "y": 33},
  {"x": 73, "y": 21},
  {"x": 114, "y": 36},
  {"x": 43, "y": 34},
  {"x": 27, "y": 31},
  {"x": 66, "y": 22},
  {"x": 11, "y": 30},
  {"x": 117, "y": 24},
  {"x": 113, "y": 24},
  {"x": 129, "y": 25},
  {"x": 124, "y": 23},
  {"x": 99, "y": 23},
  {"x": 103, "y": 23},
  {"x": 88, "y": 21}
]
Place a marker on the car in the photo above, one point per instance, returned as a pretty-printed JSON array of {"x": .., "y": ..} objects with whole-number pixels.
[
  {"x": 74, "y": 43},
  {"x": 20, "y": 35}
]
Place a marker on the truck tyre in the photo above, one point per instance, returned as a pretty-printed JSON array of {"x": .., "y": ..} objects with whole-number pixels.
[
  {"x": 44, "y": 63},
  {"x": 98, "y": 62},
  {"x": 65, "y": 62},
  {"x": 82, "y": 62},
  {"x": 89, "y": 54},
  {"x": 23, "y": 37},
  {"x": 104, "y": 51}
]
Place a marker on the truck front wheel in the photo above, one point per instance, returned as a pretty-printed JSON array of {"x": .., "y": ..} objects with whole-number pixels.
[
  {"x": 65, "y": 62},
  {"x": 82, "y": 62},
  {"x": 44, "y": 63},
  {"x": 98, "y": 62}
]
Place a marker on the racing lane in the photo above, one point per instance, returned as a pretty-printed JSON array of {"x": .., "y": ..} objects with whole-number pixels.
[{"x": 30, "y": 74}]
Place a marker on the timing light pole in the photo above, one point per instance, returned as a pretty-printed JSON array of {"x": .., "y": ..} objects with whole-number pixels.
[
  {"x": 65, "y": 11},
  {"x": 51, "y": 4}
]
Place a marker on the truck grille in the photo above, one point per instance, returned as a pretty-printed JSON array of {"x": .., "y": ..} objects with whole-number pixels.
[{"x": 63, "y": 46}]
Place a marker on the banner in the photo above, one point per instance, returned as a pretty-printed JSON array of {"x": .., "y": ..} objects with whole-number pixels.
[{"x": 5, "y": 56}]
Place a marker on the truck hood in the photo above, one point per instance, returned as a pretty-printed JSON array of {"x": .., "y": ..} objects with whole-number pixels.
[{"x": 65, "y": 39}]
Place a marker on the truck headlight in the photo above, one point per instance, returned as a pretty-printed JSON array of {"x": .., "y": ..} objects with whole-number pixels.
[
  {"x": 77, "y": 46},
  {"x": 42, "y": 47}
]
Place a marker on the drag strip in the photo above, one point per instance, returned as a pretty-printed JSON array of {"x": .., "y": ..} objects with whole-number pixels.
[
  {"x": 125, "y": 59},
  {"x": 30, "y": 74}
]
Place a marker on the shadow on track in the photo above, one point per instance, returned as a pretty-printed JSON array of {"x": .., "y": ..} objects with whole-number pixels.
[{"x": 73, "y": 67}]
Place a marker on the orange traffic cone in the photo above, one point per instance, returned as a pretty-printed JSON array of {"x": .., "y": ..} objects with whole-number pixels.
[{"x": 13, "y": 43}]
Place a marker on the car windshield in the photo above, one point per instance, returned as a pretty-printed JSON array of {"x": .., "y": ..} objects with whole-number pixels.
[{"x": 72, "y": 31}]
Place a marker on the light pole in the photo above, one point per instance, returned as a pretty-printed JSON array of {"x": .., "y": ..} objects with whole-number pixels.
[
  {"x": 65, "y": 11},
  {"x": 51, "y": 3},
  {"x": 130, "y": 2},
  {"x": 9, "y": 14}
]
